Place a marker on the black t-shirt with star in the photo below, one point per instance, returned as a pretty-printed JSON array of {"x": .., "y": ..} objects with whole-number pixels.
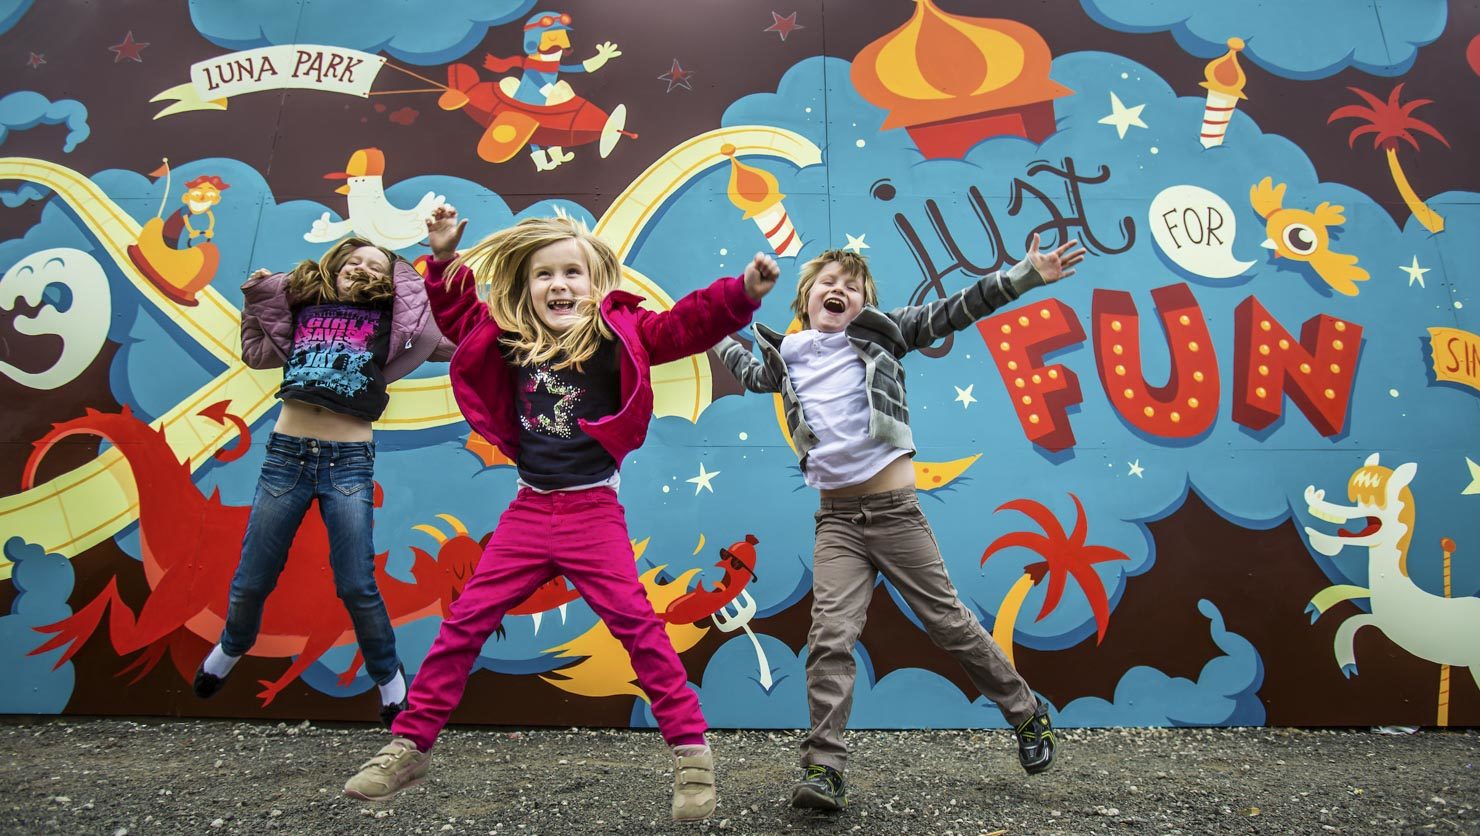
[{"x": 554, "y": 452}]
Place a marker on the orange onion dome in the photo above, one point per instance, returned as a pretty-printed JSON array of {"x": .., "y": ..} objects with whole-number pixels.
[{"x": 940, "y": 66}]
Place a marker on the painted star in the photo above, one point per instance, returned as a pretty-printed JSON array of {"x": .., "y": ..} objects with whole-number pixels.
[
  {"x": 1137, "y": 470},
  {"x": 1415, "y": 273},
  {"x": 963, "y": 396},
  {"x": 701, "y": 482},
  {"x": 1122, "y": 117},
  {"x": 129, "y": 49},
  {"x": 783, "y": 26},
  {"x": 1474, "y": 486},
  {"x": 677, "y": 77},
  {"x": 856, "y": 244},
  {"x": 36, "y": 60}
]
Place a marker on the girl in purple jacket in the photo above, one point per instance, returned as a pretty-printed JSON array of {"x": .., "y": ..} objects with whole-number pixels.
[
  {"x": 341, "y": 329},
  {"x": 555, "y": 370}
]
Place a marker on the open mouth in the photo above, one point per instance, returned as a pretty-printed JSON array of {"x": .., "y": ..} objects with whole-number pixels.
[
  {"x": 561, "y": 305},
  {"x": 834, "y": 305},
  {"x": 1373, "y": 524}
]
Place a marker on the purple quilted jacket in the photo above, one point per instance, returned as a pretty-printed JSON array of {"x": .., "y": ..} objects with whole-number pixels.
[{"x": 267, "y": 324}]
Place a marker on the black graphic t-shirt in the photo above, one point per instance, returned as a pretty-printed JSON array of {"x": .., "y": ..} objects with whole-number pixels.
[
  {"x": 339, "y": 350},
  {"x": 554, "y": 452}
]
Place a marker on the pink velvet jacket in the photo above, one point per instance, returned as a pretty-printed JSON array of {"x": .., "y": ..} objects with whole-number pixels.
[
  {"x": 267, "y": 324},
  {"x": 482, "y": 380}
]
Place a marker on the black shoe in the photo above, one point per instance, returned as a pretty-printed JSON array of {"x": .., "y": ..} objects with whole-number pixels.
[
  {"x": 1035, "y": 741},
  {"x": 388, "y": 712},
  {"x": 207, "y": 684},
  {"x": 821, "y": 788}
]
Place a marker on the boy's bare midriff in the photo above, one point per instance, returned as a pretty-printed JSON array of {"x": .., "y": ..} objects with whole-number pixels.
[
  {"x": 308, "y": 421},
  {"x": 897, "y": 474}
]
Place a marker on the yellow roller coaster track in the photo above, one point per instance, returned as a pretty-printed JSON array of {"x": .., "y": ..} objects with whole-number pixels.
[{"x": 74, "y": 511}]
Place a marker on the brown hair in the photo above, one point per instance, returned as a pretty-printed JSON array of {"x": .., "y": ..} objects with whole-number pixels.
[
  {"x": 500, "y": 267},
  {"x": 316, "y": 282},
  {"x": 851, "y": 263}
]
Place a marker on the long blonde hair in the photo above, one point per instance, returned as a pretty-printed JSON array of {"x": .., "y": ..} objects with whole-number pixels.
[
  {"x": 316, "y": 282},
  {"x": 500, "y": 267},
  {"x": 851, "y": 263}
]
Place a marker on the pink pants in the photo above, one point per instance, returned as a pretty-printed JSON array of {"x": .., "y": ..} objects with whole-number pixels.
[{"x": 582, "y": 535}]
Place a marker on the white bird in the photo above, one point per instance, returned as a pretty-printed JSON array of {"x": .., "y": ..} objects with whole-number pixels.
[{"x": 371, "y": 216}]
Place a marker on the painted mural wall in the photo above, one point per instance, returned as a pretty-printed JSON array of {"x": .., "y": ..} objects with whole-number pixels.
[{"x": 1225, "y": 475}]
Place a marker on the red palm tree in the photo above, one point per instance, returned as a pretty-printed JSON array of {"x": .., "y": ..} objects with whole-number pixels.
[
  {"x": 1064, "y": 556},
  {"x": 1389, "y": 122}
]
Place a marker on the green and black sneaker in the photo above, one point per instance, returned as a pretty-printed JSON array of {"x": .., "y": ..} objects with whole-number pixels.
[
  {"x": 1035, "y": 741},
  {"x": 821, "y": 788}
]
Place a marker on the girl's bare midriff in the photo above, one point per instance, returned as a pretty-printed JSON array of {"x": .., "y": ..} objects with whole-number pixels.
[
  {"x": 897, "y": 474},
  {"x": 309, "y": 421}
]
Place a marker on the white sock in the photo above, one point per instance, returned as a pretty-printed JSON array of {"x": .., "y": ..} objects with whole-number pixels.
[
  {"x": 219, "y": 664},
  {"x": 690, "y": 751},
  {"x": 394, "y": 691}
]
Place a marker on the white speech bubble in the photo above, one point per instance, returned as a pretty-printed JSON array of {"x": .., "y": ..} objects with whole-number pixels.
[{"x": 1195, "y": 228}]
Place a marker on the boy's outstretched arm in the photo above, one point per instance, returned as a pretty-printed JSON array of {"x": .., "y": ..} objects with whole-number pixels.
[
  {"x": 922, "y": 325},
  {"x": 702, "y": 318},
  {"x": 754, "y": 375}
]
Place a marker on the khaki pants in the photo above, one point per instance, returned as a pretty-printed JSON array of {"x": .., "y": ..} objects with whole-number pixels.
[{"x": 857, "y": 538}]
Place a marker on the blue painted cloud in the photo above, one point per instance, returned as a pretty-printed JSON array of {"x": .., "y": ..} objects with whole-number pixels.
[
  {"x": 56, "y": 228},
  {"x": 1313, "y": 39},
  {"x": 25, "y": 109},
  {"x": 11, "y": 12},
  {"x": 21, "y": 195},
  {"x": 42, "y": 583},
  {"x": 402, "y": 30},
  {"x": 1226, "y": 692}
]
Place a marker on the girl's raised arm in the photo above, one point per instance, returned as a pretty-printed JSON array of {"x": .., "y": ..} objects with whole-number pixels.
[
  {"x": 267, "y": 320},
  {"x": 454, "y": 300},
  {"x": 701, "y": 319}
]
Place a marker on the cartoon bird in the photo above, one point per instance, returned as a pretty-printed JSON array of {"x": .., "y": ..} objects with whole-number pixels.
[
  {"x": 545, "y": 41},
  {"x": 1300, "y": 235},
  {"x": 370, "y": 215}
]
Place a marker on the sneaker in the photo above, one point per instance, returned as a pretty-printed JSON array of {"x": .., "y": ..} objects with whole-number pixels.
[
  {"x": 693, "y": 786},
  {"x": 821, "y": 788},
  {"x": 388, "y": 712},
  {"x": 1035, "y": 741},
  {"x": 207, "y": 684},
  {"x": 398, "y": 766}
]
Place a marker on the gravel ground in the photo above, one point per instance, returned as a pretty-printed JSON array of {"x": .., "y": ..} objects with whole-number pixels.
[{"x": 202, "y": 776}]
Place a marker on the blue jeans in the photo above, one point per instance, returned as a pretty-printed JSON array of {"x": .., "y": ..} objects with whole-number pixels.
[{"x": 339, "y": 474}]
